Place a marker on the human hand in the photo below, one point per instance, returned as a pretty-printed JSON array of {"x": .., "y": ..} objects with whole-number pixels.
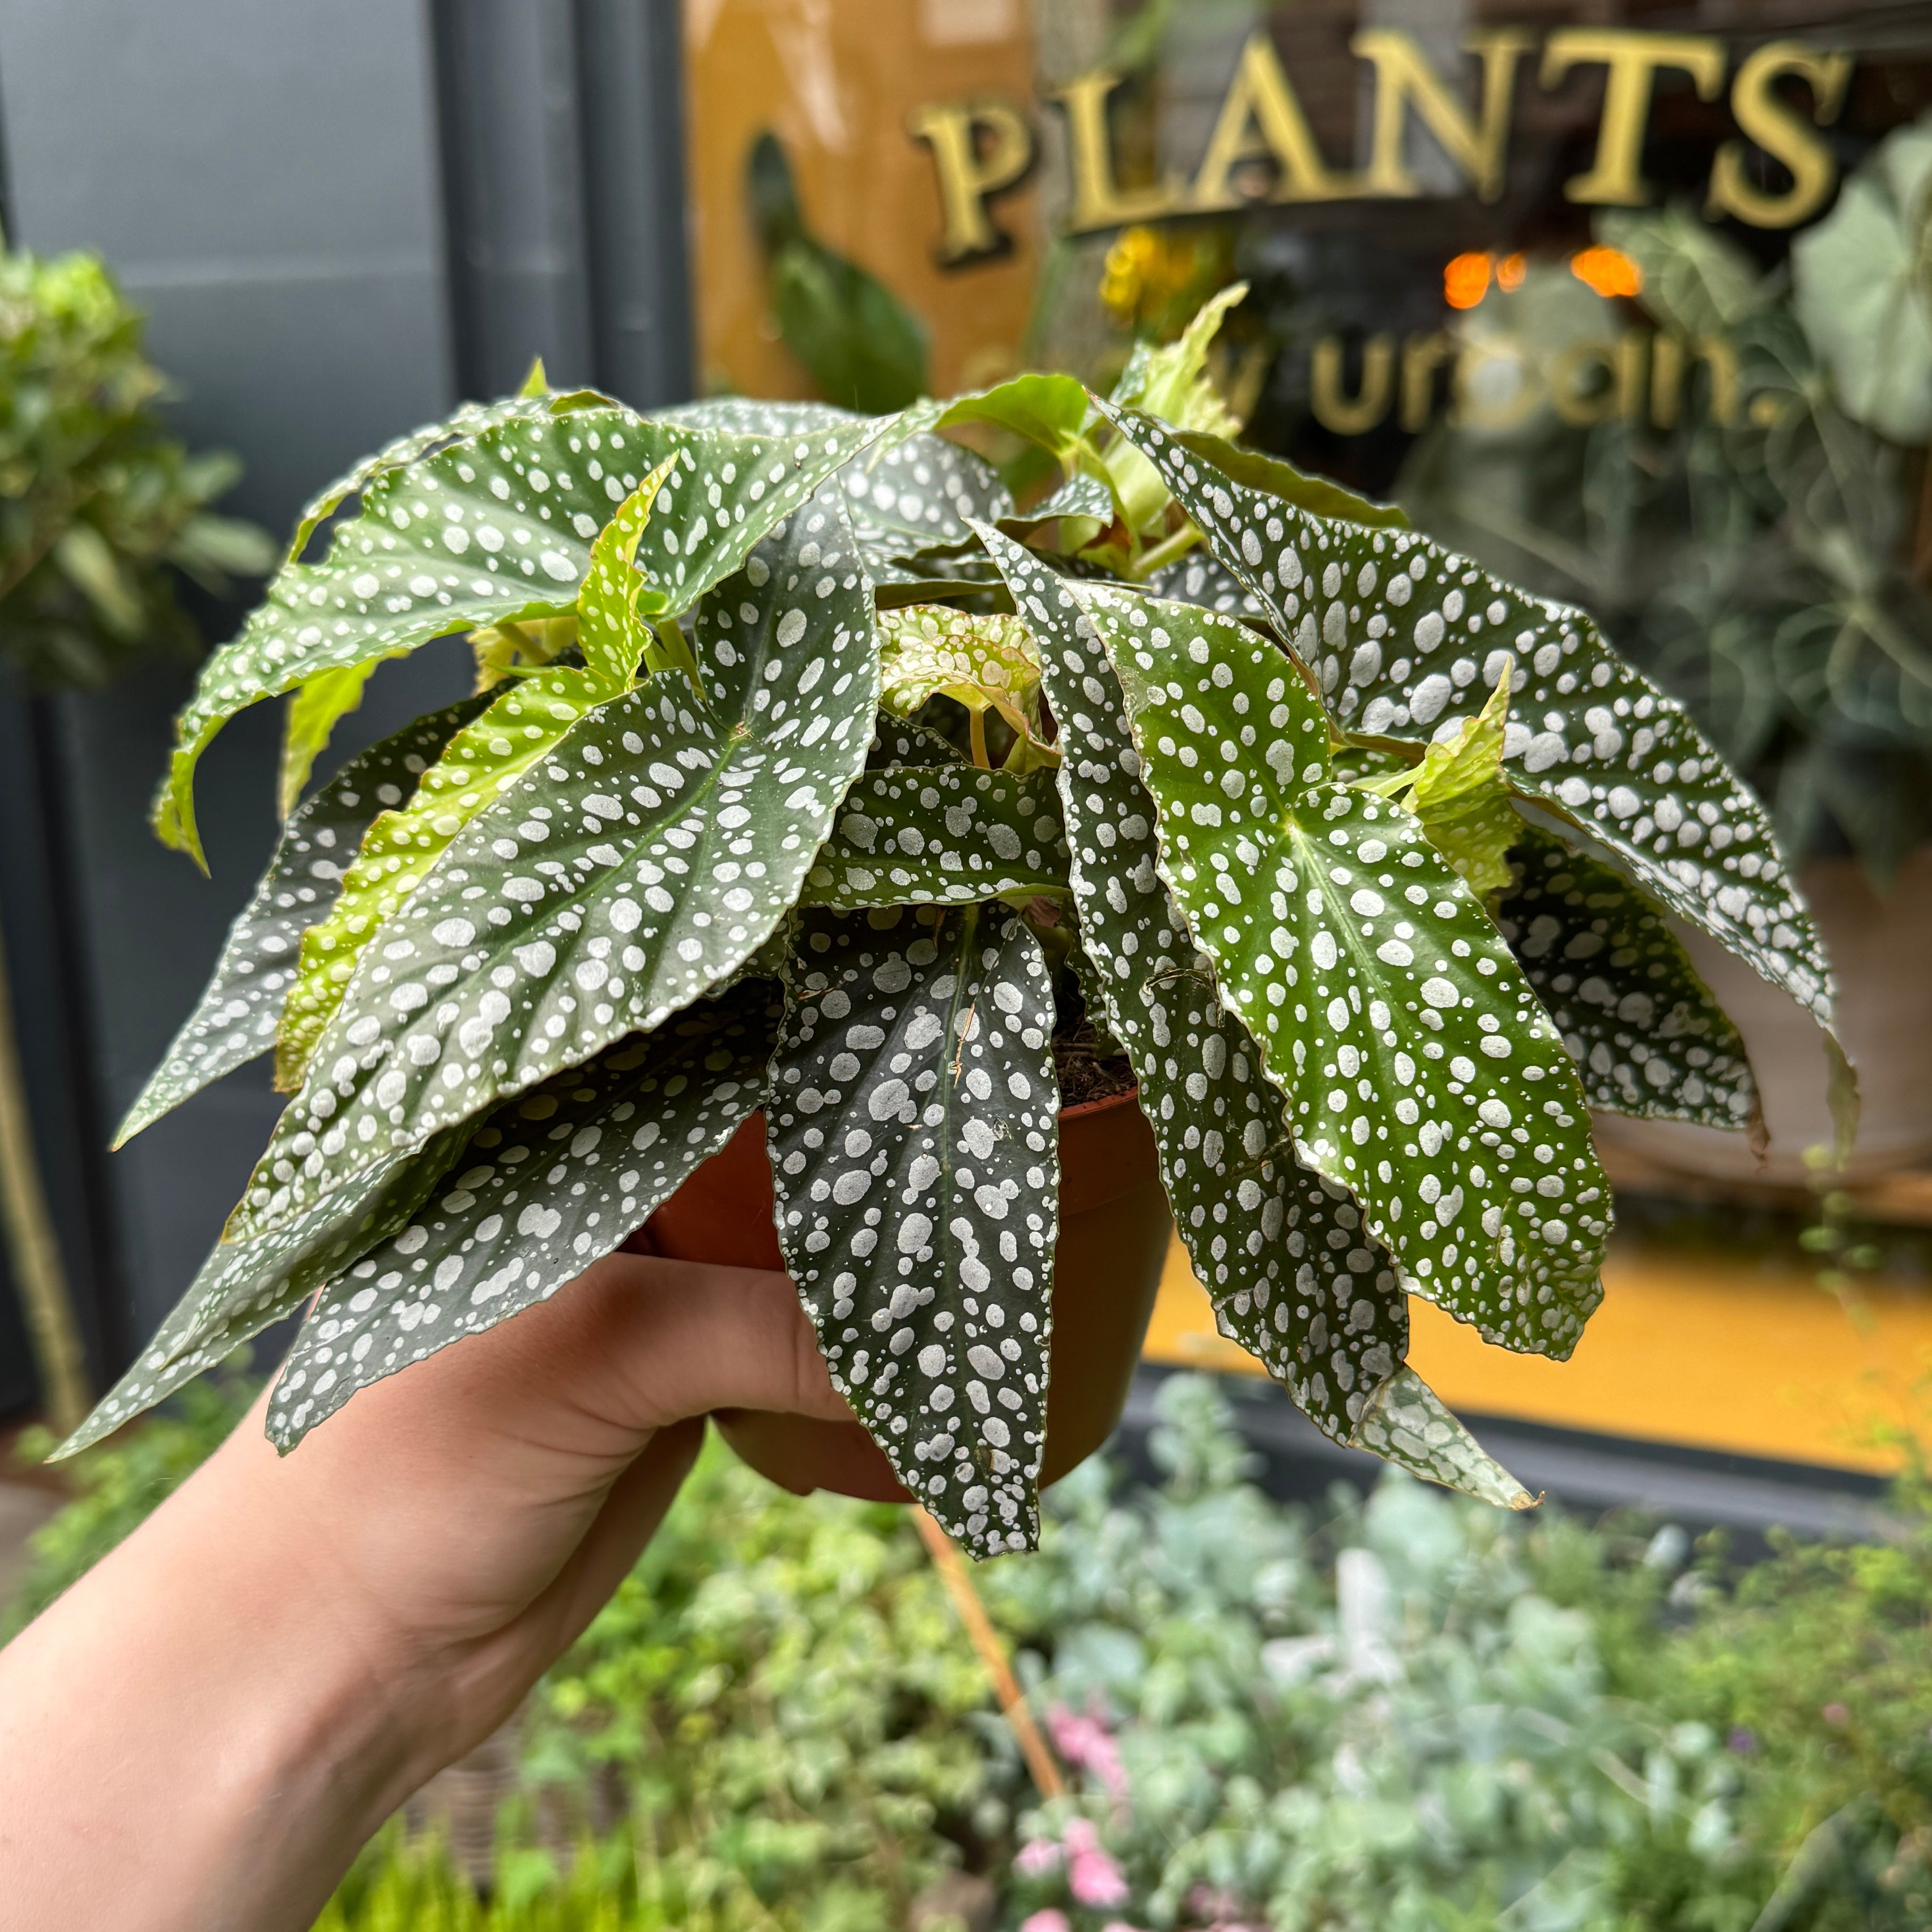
[{"x": 204, "y": 1730}]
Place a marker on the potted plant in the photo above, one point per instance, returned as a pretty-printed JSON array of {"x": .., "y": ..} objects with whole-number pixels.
[
  {"x": 1761, "y": 543},
  {"x": 810, "y": 778}
]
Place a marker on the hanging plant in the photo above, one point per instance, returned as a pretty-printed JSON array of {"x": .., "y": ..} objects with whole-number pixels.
[{"x": 807, "y": 776}]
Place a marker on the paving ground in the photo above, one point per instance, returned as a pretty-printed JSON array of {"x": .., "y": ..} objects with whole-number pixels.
[{"x": 23, "y": 1508}]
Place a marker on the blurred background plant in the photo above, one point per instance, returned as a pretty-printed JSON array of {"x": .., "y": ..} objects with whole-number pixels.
[
  {"x": 1765, "y": 549},
  {"x": 101, "y": 512},
  {"x": 1407, "y": 1712}
]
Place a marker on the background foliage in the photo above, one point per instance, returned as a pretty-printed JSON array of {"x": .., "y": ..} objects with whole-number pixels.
[
  {"x": 1407, "y": 1712},
  {"x": 99, "y": 505}
]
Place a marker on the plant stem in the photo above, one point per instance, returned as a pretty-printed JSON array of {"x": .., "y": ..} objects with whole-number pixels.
[
  {"x": 953, "y": 1573},
  {"x": 31, "y": 1245}
]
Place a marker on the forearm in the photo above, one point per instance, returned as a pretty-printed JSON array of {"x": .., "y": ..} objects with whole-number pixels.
[{"x": 193, "y": 1736}]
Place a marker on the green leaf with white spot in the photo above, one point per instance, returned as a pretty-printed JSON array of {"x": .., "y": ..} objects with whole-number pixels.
[
  {"x": 495, "y": 527},
  {"x": 549, "y": 1184},
  {"x": 1420, "y": 1071},
  {"x": 910, "y": 498},
  {"x": 245, "y": 1286},
  {"x": 944, "y": 834},
  {"x": 481, "y": 763},
  {"x": 238, "y": 1015},
  {"x": 1201, "y": 578},
  {"x": 1406, "y": 639},
  {"x": 1067, "y": 521},
  {"x": 635, "y": 866},
  {"x": 1293, "y": 1276},
  {"x": 1648, "y": 1038},
  {"x": 984, "y": 662},
  {"x": 469, "y": 419},
  {"x": 896, "y": 741},
  {"x": 914, "y": 1142}
]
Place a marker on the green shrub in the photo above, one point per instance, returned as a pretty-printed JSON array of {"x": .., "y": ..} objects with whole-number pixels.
[{"x": 96, "y": 498}]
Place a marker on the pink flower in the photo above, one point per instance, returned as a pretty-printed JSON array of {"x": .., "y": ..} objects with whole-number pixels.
[
  {"x": 1119, "y": 1925},
  {"x": 1036, "y": 1857},
  {"x": 1094, "y": 1879},
  {"x": 1087, "y": 1744},
  {"x": 1049, "y": 1921}
]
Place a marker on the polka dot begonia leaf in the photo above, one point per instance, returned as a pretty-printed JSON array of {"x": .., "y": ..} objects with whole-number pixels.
[
  {"x": 244, "y": 1286},
  {"x": 896, "y": 742},
  {"x": 1384, "y": 1001},
  {"x": 637, "y": 865},
  {"x": 498, "y": 525},
  {"x": 1294, "y": 1276},
  {"x": 1405, "y": 640},
  {"x": 525, "y": 722},
  {"x": 945, "y": 835},
  {"x": 551, "y": 1183},
  {"x": 1421, "y": 1072},
  {"x": 1648, "y": 1038},
  {"x": 1070, "y": 518},
  {"x": 468, "y": 419},
  {"x": 238, "y": 1013},
  {"x": 915, "y": 1148},
  {"x": 1199, "y": 578}
]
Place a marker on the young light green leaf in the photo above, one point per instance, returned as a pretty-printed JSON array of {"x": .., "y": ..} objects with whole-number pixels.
[
  {"x": 1340, "y": 935},
  {"x": 238, "y": 1014},
  {"x": 1293, "y": 1276},
  {"x": 616, "y": 598},
  {"x": 945, "y": 835},
  {"x": 1050, "y": 411},
  {"x": 984, "y": 662},
  {"x": 496, "y": 527},
  {"x": 914, "y": 1111},
  {"x": 1647, "y": 1036},
  {"x": 314, "y": 710},
  {"x": 550, "y": 1183},
  {"x": 244, "y": 1286},
  {"x": 639, "y": 863},
  {"x": 1458, "y": 794},
  {"x": 1407, "y": 640}
]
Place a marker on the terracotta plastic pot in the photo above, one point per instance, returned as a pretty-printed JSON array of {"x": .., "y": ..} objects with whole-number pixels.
[
  {"x": 1114, "y": 1226},
  {"x": 1879, "y": 950}
]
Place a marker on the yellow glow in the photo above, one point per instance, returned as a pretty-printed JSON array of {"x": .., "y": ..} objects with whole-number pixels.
[{"x": 1715, "y": 1355}]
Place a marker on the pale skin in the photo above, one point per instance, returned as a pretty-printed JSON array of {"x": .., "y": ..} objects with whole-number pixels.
[{"x": 201, "y": 1733}]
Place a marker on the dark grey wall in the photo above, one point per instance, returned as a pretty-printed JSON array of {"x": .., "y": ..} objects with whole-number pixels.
[{"x": 339, "y": 219}]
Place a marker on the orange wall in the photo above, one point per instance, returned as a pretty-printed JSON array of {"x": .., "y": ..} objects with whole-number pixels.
[{"x": 835, "y": 79}]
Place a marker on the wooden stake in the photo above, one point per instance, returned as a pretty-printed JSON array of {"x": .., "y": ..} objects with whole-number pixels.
[
  {"x": 31, "y": 1245},
  {"x": 958, "y": 1579}
]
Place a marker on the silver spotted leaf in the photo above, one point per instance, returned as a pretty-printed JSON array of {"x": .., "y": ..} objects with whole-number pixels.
[
  {"x": 1420, "y": 1070},
  {"x": 914, "y": 1141},
  {"x": 1201, "y": 578},
  {"x": 638, "y": 865},
  {"x": 243, "y": 1286},
  {"x": 1406, "y": 639},
  {"x": 551, "y": 1183},
  {"x": 1648, "y": 1038},
  {"x": 239, "y": 1013},
  {"x": 940, "y": 835},
  {"x": 1069, "y": 519},
  {"x": 468, "y": 419},
  {"x": 498, "y": 527},
  {"x": 1293, "y": 1276},
  {"x": 896, "y": 741}
]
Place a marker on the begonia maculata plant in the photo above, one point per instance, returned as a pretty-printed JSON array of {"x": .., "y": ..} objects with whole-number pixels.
[{"x": 807, "y": 772}]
